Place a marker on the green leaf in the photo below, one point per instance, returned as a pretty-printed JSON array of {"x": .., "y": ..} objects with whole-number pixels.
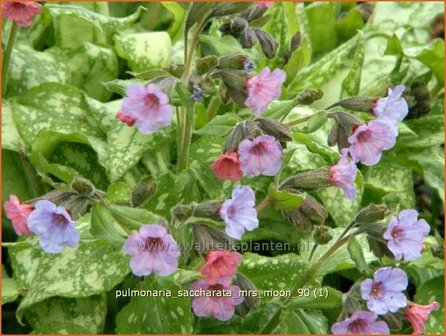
[
  {"x": 156, "y": 314},
  {"x": 318, "y": 298},
  {"x": 318, "y": 73},
  {"x": 273, "y": 273},
  {"x": 75, "y": 25},
  {"x": 11, "y": 138},
  {"x": 357, "y": 255},
  {"x": 224, "y": 46},
  {"x": 132, "y": 218},
  {"x": 61, "y": 328},
  {"x": 301, "y": 321},
  {"x": 351, "y": 83},
  {"x": 179, "y": 15},
  {"x": 393, "y": 181},
  {"x": 104, "y": 227},
  {"x": 90, "y": 268},
  {"x": 30, "y": 68},
  {"x": 87, "y": 313},
  {"x": 394, "y": 47},
  {"x": 283, "y": 199},
  {"x": 119, "y": 192},
  {"x": 323, "y": 36},
  {"x": 348, "y": 25},
  {"x": 89, "y": 66},
  {"x": 10, "y": 291},
  {"x": 433, "y": 290},
  {"x": 46, "y": 106},
  {"x": 220, "y": 125},
  {"x": 432, "y": 56},
  {"x": 429, "y": 132},
  {"x": 144, "y": 51}
]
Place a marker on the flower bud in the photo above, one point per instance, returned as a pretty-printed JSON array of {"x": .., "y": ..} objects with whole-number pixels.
[
  {"x": 248, "y": 38},
  {"x": 438, "y": 250},
  {"x": 371, "y": 214},
  {"x": 267, "y": 42},
  {"x": 83, "y": 186},
  {"x": 233, "y": 78},
  {"x": 143, "y": 191},
  {"x": 182, "y": 212},
  {"x": 296, "y": 217},
  {"x": 205, "y": 64},
  {"x": 225, "y": 29},
  {"x": 251, "y": 301},
  {"x": 274, "y": 128},
  {"x": 358, "y": 104},
  {"x": 238, "y": 26},
  {"x": 309, "y": 96},
  {"x": 55, "y": 196},
  {"x": 230, "y": 8},
  {"x": 76, "y": 205},
  {"x": 254, "y": 12},
  {"x": 342, "y": 129},
  {"x": 313, "y": 210},
  {"x": 322, "y": 235},
  {"x": 207, "y": 209},
  {"x": 207, "y": 238},
  {"x": 338, "y": 136},
  {"x": 232, "y": 62},
  {"x": 308, "y": 180},
  {"x": 244, "y": 130},
  {"x": 418, "y": 99}
]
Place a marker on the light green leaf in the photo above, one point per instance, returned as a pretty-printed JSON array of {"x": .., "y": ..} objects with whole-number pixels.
[
  {"x": 104, "y": 227},
  {"x": 273, "y": 273},
  {"x": 357, "y": 254},
  {"x": 144, "y": 51},
  {"x": 132, "y": 218},
  {"x": 432, "y": 56},
  {"x": 119, "y": 192},
  {"x": 283, "y": 199},
  {"x": 10, "y": 291},
  {"x": 11, "y": 138},
  {"x": 87, "y": 313},
  {"x": 156, "y": 314},
  {"x": 348, "y": 25},
  {"x": 323, "y": 37},
  {"x": 299, "y": 321},
  {"x": 351, "y": 83},
  {"x": 319, "y": 298},
  {"x": 179, "y": 15},
  {"x": 90, "y": 268},
  {"x": 220, "y": 125}
]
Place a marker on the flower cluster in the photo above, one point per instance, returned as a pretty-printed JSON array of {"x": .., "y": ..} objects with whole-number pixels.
[
  {"x": 384, "y": 293},
  {"x": 51, "y": 223},
  {"x": 218, "y": 271},
  {"x": 367, "y": 142}
]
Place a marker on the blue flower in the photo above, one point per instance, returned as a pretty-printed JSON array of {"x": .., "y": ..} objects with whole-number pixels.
[
  {"x": 54, "y": 227},
  {"x": 393, "y": 108}
]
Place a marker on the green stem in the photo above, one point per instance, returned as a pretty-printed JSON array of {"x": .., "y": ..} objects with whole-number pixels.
[
  {"x": 262, "y": 205},
  {"x": 298, "y": 121},
  {"x": 7, "y": 55},
  {"x": 186, "y": 138},
  {"x": 212, "y": 108},
  {"x": 313, "y": 250}
]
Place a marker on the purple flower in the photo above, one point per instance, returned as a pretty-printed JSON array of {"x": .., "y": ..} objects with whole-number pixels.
[
  {"x": 22, "y": 12},
  {"x": 343, "y": 175},
  {"x": 148, "y": 106},
  {"x": 361, "y": 322},
  {"x": 392, "y": 108},
  {"x": 216, "y": 300},
  {"x": 239, "y": 212},
  {"x": 248, "y": 65},
  {"x": 54, "y": 227},
  {"x": 263, "y": 89},
  {"x": 152, "y": 250},
  {"x": 383, "y": 293},
  {"x": 369, "y": 141},
  {"x": 197, "y": 94},
  {"x": 405, "y": 235},
  {"x": 261, "y": 156}
]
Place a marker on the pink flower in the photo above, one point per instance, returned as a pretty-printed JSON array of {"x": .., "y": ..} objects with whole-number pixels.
[
  {"x": 126, "y": 120},
  {"x": 261, "y": 156},
  {"x": 21, "y": 12},
  {"x": 215, "y": 300},
  {"x": 227, "y": 167},
  {"x": 220, "y": 266},
  {"x": 418, "y": 315},
  {"x": 18, "y": 214},
  {"x": 393, "y": 108},
  {"x": 148, "y": 107},
  {"x": 369, "y": 141},
  {"x": 264, "y": 3},
  {"x": 264, "y": 88},
  {"x": 361, "y": 322},
  {"x": 152, "y": 250},
  {"x": 405, "y": 235},
  {"x": 343, "y": 175}
]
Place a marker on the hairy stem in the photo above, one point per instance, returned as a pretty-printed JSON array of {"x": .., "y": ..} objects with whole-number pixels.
[
  {"x": 298, "y": 121},
  {"x": 265, "y": 203},
  {"x": 7, "y": 55}
]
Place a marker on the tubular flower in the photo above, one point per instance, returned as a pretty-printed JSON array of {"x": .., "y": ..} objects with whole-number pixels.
[
  {"x": 392, "y": 108},
  {"x": 21, "y": 12},
  {"x": 18, "y": 214},
  {"x": 418, "y": 315},
  {"x": 361, "y": 322},
  {"x": 220, "y": 266},
  {"x": 343, "y": 175},
  {"x": 227, "y": 167}
]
